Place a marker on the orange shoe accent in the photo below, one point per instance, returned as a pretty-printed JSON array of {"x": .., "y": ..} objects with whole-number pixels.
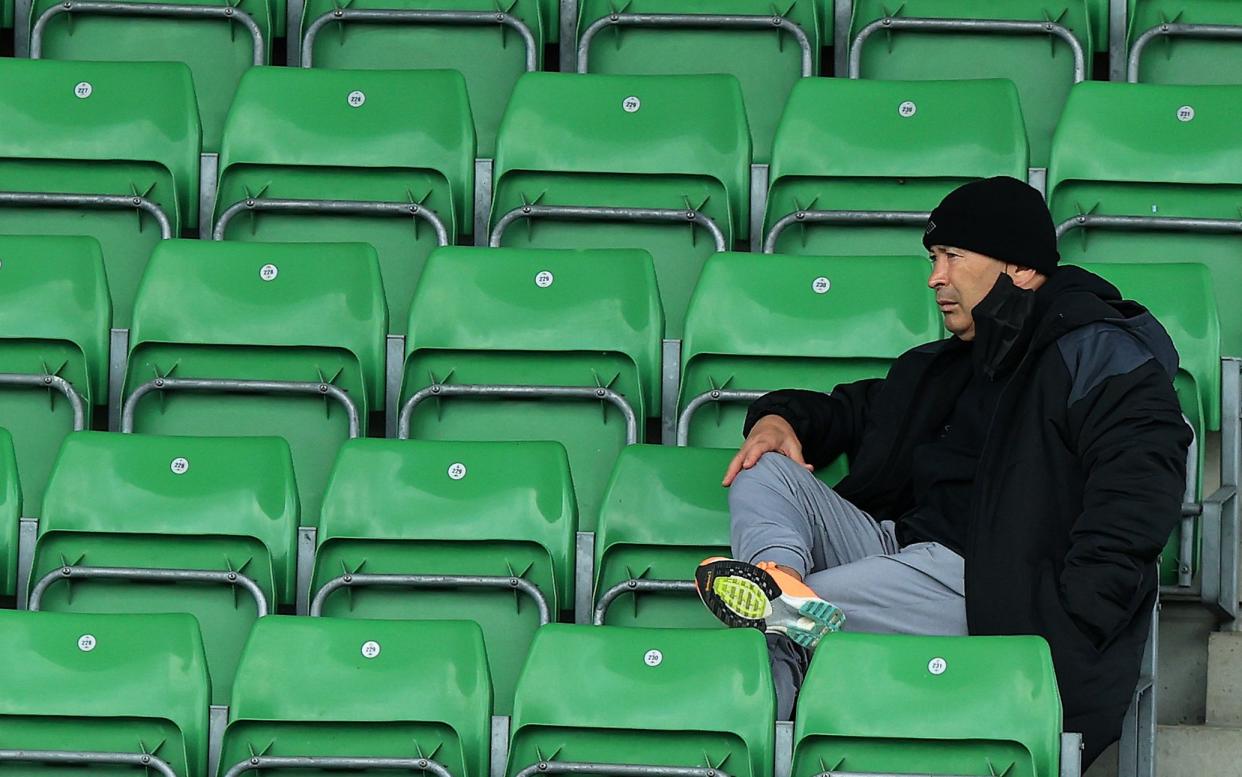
[{"x": 789, "y": 584}]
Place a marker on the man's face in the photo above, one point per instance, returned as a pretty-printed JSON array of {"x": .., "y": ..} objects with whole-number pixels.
[{"x": 961, "y": 279}]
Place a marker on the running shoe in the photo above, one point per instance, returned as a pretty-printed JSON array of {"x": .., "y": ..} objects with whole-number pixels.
[{"x": 760, "y": 596}]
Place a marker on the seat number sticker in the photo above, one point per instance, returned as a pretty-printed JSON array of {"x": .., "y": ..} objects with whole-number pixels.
[
  {"x": 653, "y": 658},
  {"x": 86, "y": 643},
  {"x": 356, "y": 99},
  {"x": 907, "y": 109},
  {"x": 83, "y": 90},
  {"x": 1186, "y": 113},
  {"x": 457, "y": 471},
  {"x": 268, "y": 272},
  {"x": 937, "y": 666},
  {"x": 544, "y": 279},
  {"x": 179, "y": 465},
  {"x": 370, "y": 649},
  {"x": 631, "y": 104},
  {"x": 821, "y": 285}
]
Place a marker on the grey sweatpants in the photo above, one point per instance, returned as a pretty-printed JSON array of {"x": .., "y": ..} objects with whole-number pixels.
[{"x": 782, "y": 513}]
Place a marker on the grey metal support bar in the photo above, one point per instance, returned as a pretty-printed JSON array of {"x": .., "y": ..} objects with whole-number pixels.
[
  {"x": 619, "y": 770},
  {"x": 226, "y": 386},
  {"x": 1118, "y": 28},
  {"x": 584, "y": 576},
  {"x": 568, "y": 33},
  {"x": 408, "y": 17},
  {"x": 982, "y": 26},
  {"x": 697, "y": 21},
  {"x": 861, "y": 218},
  {"x": 444, "y": 390},
  {"x": 500, "y": 582},
  {"x": 351, "y": 763},
  {"x": 715, "y": 395},
  {"x": 334, "y": 208},
  {"x": 95, "y": 201},
  {"x": 159, "y": 10},
  {"x": 588, "y": 213},
  {"x": 148, "y": 575},
  {"x": 1071, "y": 754},
  {"x": 27, "y": 536},
  {"x": 85, "y": 758},
  {"x": 53, "y": 383},
  {"x": 842, "y": 20},
  {"x": 636, "y": 587},
  {"x": 1170, "y": 29},
  {"x": 1149, "y": 223}
]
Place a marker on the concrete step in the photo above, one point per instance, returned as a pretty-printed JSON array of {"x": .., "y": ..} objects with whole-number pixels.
[
  {"x": 1224, "y": 679},
  {"x": 1195, "y": 751}
]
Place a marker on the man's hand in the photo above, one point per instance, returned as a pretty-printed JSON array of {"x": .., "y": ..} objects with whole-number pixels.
[{"x": 770, "y": 434}]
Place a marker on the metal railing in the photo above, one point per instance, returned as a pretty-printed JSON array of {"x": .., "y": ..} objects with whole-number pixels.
[
  {"x": 137, "y": 574},
  {"x": 53, "y": 383},
  {"x": 1172, "y": 29},
  {"x": 497, "y": 582},
  {"x": 92, "y": 201},
  {"x": 333, "y": 208},
  {"x": 637, "y": 586},
  {"x": 590, "y": 213},
  {"x": 861, "y": 218},
  {"x": 88, "y": 758},
  {"x": 349, "y": 763}
]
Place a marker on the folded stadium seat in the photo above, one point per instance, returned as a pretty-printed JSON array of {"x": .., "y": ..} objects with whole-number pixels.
[
  {"x": 766, "y": 49},
  {"x": 103, "y": 149},
  {"x": 128, "y": 690},
  {"x": 10, "y": 513},
  {"x": 127, "y": 514},
  {"x": 1184, "y": 42},
  {"x": 218, "y": 42},
  {"x": 1043, "y": 48},
  {"x": 54, "y": 318},
  {"x": 895, "y": 704},
  {"x": 660, "y": 163},
  {"x": 332, "y": 155},
  {"x": 491, "y": 48},
  {"x": 1144, "y": 173},
  {"x": 399, "y": 515},
  {"x": 339, "y": 694},
  {"x": 699, "y": 700},
  {"x": 759, "y": 323},
  {"x": 663, "y": 513},
  {"x": 857, "y": 165},
  {"x": 510, "y": 344},
  {"x": 274, "y": 339}
]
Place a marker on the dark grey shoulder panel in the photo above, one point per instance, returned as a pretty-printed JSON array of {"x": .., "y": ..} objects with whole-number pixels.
[{"x": 1097, "y": 352}]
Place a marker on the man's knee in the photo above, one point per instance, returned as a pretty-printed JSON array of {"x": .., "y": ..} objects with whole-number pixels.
[{"x": 772, "y": 473}]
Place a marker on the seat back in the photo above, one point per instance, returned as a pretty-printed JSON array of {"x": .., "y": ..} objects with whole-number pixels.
[
  {"x": 864, "y": 706},
  {"x": 417, "y": 507},
  {"x": 308, "y": 314},
  {"x": 1179, "y": 59},
  {"x": 357, "y": 136},
  {"x": 310, "y": 686},
  {"x": 10, "y": 513},
  {"x": 673, "y": 143},
  {"x": 54, "y": 320},
  {"x": 667, "y": 697},
  {"x": 1156, "y": 152},
  {"x": 664, "y": 512},
  {"x": 585, "y": 319},
  {"x": 134, "y": 132},
  {"x": 224, "y": 504},
  {"x": 885, "y": 146},
  {"x": 138, "y": 685}
]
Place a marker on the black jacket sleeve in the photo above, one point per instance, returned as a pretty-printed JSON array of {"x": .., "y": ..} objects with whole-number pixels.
[{"x": 827, "y": 425}]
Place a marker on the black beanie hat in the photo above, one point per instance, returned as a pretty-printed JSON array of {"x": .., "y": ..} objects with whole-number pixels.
[{"x": 1001, "y": 217}]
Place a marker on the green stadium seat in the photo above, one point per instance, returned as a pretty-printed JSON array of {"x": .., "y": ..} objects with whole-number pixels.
[
  {"x": 10, "y": 513},
  {"x": 1042, "y": 62},
  {"x": 134, "y": 686},
  {"x": 343, "y": 155},
  {"x": 1146, "y": 173},
  {"x": 1182, "y": 55},
  {"x": 574, "y": 150},
  {"x": 414, "y": 34},
  {"x": 579, "y": 328},
  {"x": 689, "y": 698},
  {"x": 499, "y": 510},
  {"x": 218, "y": 43},
  {"x": 896, "y": 704},
  {"x": 693, "y": 36},
  {"x": 216, "y": 323},
  {"x": 224, "y": 506},
  {"x": 112, "y": 163},
  {"x": 54, "y": 319},
  {"x": 759, "y": 323},
  {"x": 328, "y": 688},
  {"x": 663, "y": 513},
  {"x": 883, "y": 148}
]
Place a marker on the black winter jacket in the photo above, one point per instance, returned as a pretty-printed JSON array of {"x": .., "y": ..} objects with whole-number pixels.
[{"x": 1080, "y": 480}]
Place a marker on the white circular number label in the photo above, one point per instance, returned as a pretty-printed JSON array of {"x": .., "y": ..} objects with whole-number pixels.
[
  {"x": 179, "y": 466},
  {"x": 83, "y": 90},
  {"x": 1185, "y": 113},
  {"x": 907, "y": 109},
  {"x": 937, "y": 666},
  {"x": 268, "y": 272},
  {"x": 821, "y": 285},
  {"x": 653, "y": 658},
  {"x": 457, "y": 471},
  {"x": 544, "y": 279},
  {"x": 86, "y": 643},
  {"x": 356, "y": 99},
  {"x": 631, "y": 104},
  {"x": 370, "y": 649}
]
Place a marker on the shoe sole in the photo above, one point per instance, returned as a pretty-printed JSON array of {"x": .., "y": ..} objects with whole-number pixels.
[{"x": 744, "y": 596}]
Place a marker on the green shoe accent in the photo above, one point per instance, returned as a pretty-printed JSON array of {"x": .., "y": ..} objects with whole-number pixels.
[
  {"x": 824, "y": 612},
  {"x": 742, "y": 596}
]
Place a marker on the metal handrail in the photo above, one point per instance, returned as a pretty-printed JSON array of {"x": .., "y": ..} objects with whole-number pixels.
[
  {"x": 714, "y": 395},
  {"x": 334, "y": 207},
  {"x": 637, "y": 586},
  {"x": 969, "y": 25},
  {"x": 153, "y": 575},
  {"x": 1151, "y": 223},
  {"x": 55, "y": 383},
  {"x": 102, "y": 201},
  {"x": 705, "y": 21},
  {"x": 853, "y": 217},
  {"x": 77, "y": 758},
  {"x": 163, "y": 10},
  {"x": 399, "y": 16},
  {"x": 442, "y": 390},
  {"x": 352, "y": 763},
  {"x": 1170, "y": 29},
  {"x": 590, "y": 213},
  {"x": 619, "y": 770},
  {"x": 506, "y": 582},
  {"x": 227, "y": 386}
]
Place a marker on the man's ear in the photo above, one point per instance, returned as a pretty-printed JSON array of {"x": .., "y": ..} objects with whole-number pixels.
[{"x": 1025, "y": 277}]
